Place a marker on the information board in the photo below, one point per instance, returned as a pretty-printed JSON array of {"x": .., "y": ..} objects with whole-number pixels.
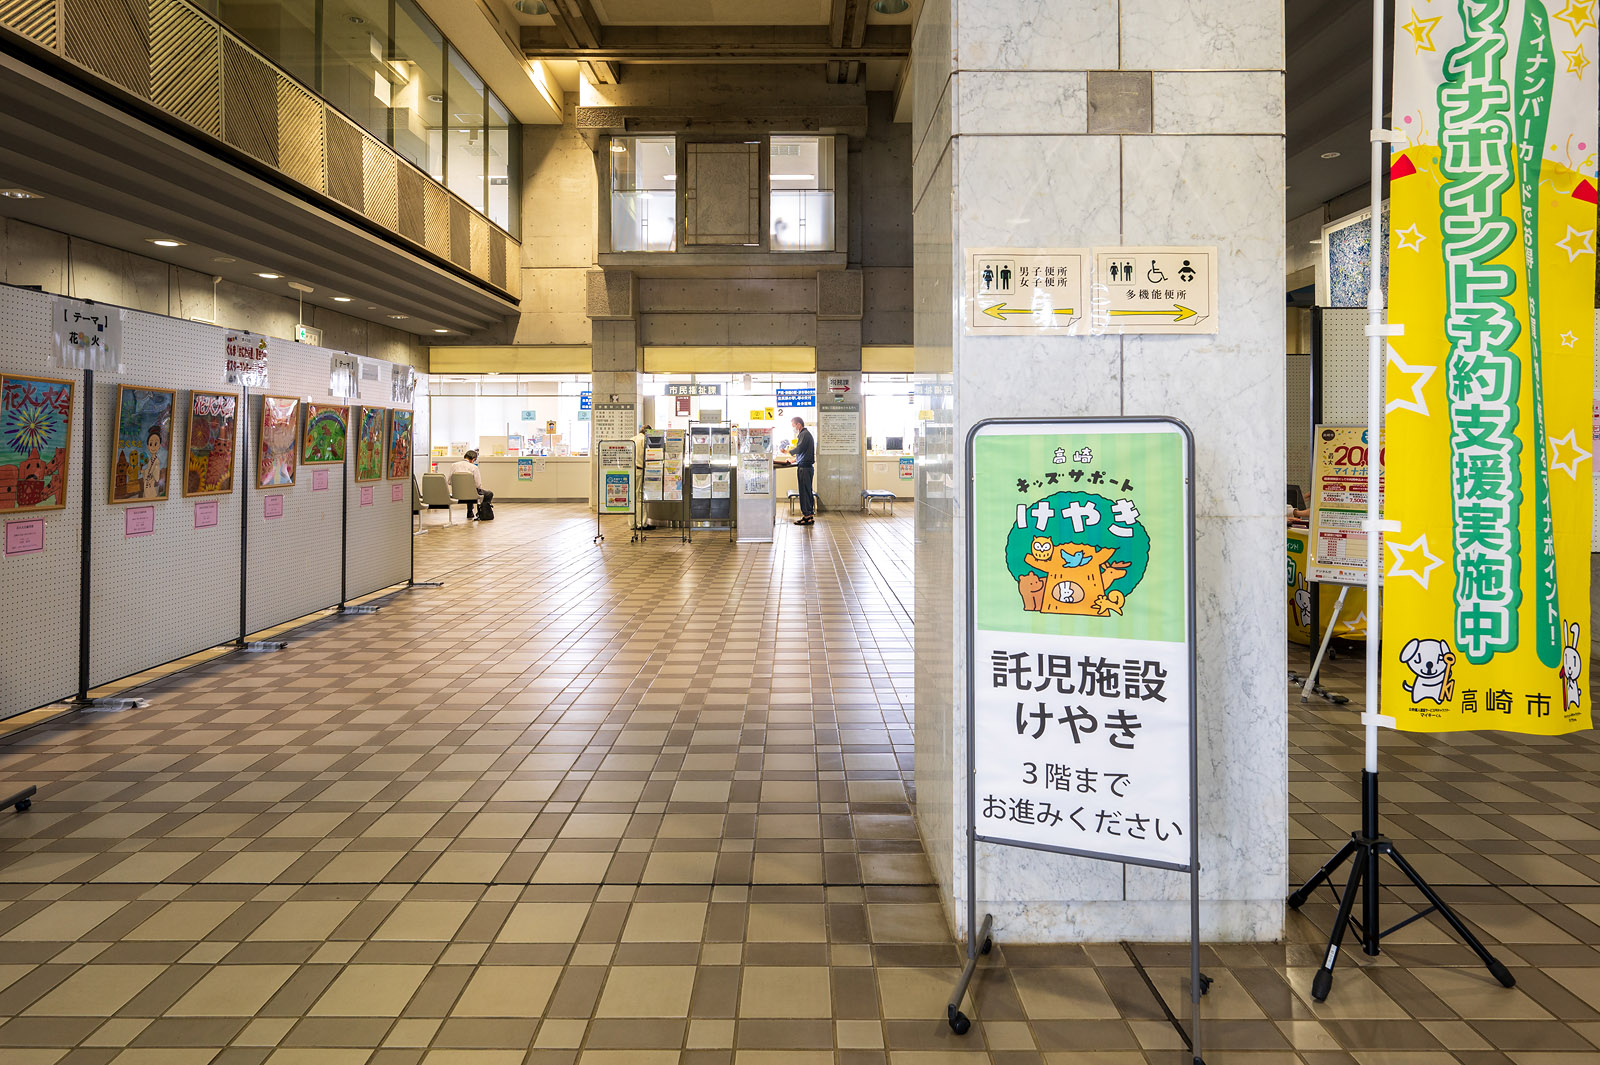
[
  {"x": 1339, "y": 505},
  {"x": 1081, "y": 637},
  {"x": 839, "y": 430},
  {"x": 1019, "y": 291},
  {"x": 616, "y": 476},
  {"x": 614, "y": 421}
]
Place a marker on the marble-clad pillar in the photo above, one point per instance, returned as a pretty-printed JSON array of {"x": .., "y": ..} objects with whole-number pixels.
[{"x": 1076, "y": 123}]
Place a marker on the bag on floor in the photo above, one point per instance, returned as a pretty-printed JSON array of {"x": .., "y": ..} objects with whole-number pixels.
[{"x": 485, "y": 511}]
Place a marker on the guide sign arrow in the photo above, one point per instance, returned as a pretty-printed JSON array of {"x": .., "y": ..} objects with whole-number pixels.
[
  {"x": 1178, "y": 312},
  {"x": 1001, "y": 311}
]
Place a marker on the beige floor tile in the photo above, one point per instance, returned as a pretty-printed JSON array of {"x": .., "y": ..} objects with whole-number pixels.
[
  {"x": 507, "y": 991},
  {"x": 183, "y": 921},
  {"x": 769, "y": 991},
  {"x": 370, "y": 991},
  {"x": 63, "y": 921},
  {"x": 646, "y": 991},
  {"x": 425, "y": 921},
  {"x": 787, "y": 923},
  {"x": 232, "y": 991},
  {"x": 544, "y": 922},
  {"x": 302, "y": 921},
  {"x": 915, "y": 993},
  {"x": 665, "y": 922},
  {"x": 95, "y": 991}
]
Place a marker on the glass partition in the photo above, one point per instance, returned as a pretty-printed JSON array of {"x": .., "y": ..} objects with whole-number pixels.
[
  {"x": 644, "y": 202},
  {"x": 417, "y": 106},
  {"x": 505, "y": 415},
  {"x": 285, "y": 32},
  {"x": 465, "y": 143},
  {"x": 504, "y": 197},
  {"x": 802, "y": 193}
]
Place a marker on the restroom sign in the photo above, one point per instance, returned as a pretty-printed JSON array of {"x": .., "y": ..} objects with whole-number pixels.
[
  {"x": 1155, "y": 290},
  {"x": 1027, "y": 291}
]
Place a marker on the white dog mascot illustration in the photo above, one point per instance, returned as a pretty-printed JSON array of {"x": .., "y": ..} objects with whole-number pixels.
[
  {"x": 1571, "y": 668},
  {"x": 1302, "y": 604},
  {"x": 1432, "y": 662}
]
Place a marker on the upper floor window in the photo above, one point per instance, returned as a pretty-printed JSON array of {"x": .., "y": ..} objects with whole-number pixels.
[
  {"x": 644, "y": 199},
  {"x": 802, "y": 193}
]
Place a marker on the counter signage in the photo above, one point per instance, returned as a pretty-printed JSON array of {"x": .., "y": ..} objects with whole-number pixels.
[
  {"x": 694, "y": 390},
  {"x": 584, "y": 399},
  {"x": 1080, "y": 589},
  {"x": 908, "y": 468},
  {"x": 524, "y": 469},
  {"x": 530, "y": 415},
  {"x": 613, "y": 421},
  {"x": 797, "y": 397}
]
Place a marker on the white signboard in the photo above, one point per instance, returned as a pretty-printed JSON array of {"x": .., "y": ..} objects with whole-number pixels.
[
  {"x": 1080, "y": 585},
  {"x": 88, "y": 336},
  {"x": 1155, "y": 290},
  {"x": 245, "y": 360},
  {"x": 614, "y": 421},
  {"x": 839, "y": 389},
  {"x": 1019, "y": 291},
  {"x": 403, "y": 386},
  {"x": 1339, "y": 505},
  {"x": 839, "y": 430},
  {"x": 344, "y": 376}
]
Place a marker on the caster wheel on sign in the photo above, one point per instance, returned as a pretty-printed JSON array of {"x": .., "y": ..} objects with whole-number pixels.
[
  {"x": 959, "y": 1024},
  {"x": 1205, "y": 984},
  {"x": 28, "y": 803},
  {"x": 988, "y": 945}
]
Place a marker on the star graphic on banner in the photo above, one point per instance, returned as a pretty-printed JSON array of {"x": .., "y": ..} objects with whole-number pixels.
[
  {"x": 1584, "y": 246},
  {"x": 1577, "y": 62},
  {"x": 1405, "y": 564},
  {"x": 1422, "y": 375},
  {"x": 1570, "y": 442},
  {"x": 1355, "y": 623},
  {"x": 1416, "y": 237},
  {"x": 1568, "y": 339},
  {"x": 1421, "y": 30},
  {"x": 1577, "y": 14}
]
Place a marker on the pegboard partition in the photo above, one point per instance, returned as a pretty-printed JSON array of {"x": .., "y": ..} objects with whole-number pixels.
[
  {"x": 1297, "y": 412},
  {"x": 1344, "y": 365},
  {"x": 378, "y": 542},
  {"x": 175, "y": 590},
  {"x": 39, "y": 591}
]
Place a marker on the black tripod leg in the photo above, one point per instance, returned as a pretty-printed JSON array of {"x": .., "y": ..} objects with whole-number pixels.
[
  {"x": 1298, "y": 898},
  {"x": 1496, "y": 968},
  {"x": 1323, "y": 981}
]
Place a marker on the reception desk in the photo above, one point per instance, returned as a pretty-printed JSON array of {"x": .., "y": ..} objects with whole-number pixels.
[
  {"x": 554, "y": 479},
  {"x": 882, "y": 474}
]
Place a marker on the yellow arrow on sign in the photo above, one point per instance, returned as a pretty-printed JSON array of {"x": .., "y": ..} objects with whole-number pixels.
[
  {"x": 1179, "y": 313},
  {"x": 1000, "y": 311}
]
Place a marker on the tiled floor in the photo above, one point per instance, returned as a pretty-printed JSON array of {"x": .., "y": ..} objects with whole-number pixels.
[{"x": 648, "y": 804}]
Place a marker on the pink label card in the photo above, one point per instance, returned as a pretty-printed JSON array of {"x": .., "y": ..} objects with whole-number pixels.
[
  {"x": 396, "y": 492},
  {"x": 24, "y": 537},
  {"x": 319, "y": 480},
  {"x": 138, "y": 521},
  {"x": 272, "y": 506},
  {"x": 205, "y": 515},
  {"x": 366, "y": 495}
]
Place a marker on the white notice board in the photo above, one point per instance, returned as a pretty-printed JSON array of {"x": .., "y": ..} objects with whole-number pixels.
[
  {"x": 1081, "y": 647},
  {"x": 839, "y": 430}
]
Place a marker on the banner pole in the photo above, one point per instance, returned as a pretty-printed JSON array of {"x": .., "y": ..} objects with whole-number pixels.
[{"x": 1375, "y": 346}]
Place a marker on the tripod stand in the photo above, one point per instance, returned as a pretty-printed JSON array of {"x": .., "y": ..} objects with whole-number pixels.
[{"x": 1363, "y": 851}]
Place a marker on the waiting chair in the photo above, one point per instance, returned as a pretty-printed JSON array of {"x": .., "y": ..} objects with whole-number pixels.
[
  {"x": 436, "y": 495},
  {"x": 464, "y": 488}
]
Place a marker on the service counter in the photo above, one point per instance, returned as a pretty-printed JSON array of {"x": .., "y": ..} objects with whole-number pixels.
[
  {"x": 886, "y": 471},
  {"x": 540, "y": 480}
]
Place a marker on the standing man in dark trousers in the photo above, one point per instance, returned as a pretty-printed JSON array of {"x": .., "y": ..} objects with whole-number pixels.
[{"x": 804, "y": 457}]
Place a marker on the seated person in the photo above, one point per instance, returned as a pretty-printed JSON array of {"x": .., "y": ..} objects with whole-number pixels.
[{"x": 469, "y": 464}]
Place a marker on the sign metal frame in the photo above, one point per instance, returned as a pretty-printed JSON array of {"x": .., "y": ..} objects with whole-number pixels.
[{"x": 979, "y": 936}]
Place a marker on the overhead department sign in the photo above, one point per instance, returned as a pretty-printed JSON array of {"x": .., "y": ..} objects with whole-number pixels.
[{"x": 1492, "y": 258}]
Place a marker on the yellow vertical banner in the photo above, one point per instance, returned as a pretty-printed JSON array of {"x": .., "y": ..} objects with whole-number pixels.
[{"x": 1491, "y": 272}]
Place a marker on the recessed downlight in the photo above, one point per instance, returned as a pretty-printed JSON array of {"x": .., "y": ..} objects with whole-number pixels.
[
  {"x": 1330, "y": 155},
  {"x": 223, "y": 259},
  {"x": 399, "y": 317},
  {"x": 19, "y": 194},
  {"x": 441, "y": 330},
  {"x": 269, "y": 277},
  {"x": 165, "y": 242},
  {"x": 341, "y": 299},
  {"x": 890, "y": 7}
]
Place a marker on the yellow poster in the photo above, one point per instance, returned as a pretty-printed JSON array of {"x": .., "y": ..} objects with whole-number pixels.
[{"x": 1491, "y": 272}]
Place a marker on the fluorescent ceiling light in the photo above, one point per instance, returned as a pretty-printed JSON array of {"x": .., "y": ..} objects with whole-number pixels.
[
  {"x": 165, "y": 242},
  {"x": 270, "y": 277},
  {"x": 222, "y": 259},
  {"x": 341, "y": 299},
  {"x": 399, "y": 317},
  {"x": 441, "y": 330}
]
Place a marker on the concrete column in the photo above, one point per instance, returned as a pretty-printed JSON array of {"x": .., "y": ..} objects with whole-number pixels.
[
  {"x": 615, "y": 347},
  {"x": 1075, "y": 123},
  {"x": 839, "y": 476}
]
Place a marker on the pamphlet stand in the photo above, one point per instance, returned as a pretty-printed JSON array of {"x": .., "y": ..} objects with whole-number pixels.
[
  {"x": 1367, "y": 844},
  {"x": 709, "y": 464},
  {"x": 1165, "y": 757}
]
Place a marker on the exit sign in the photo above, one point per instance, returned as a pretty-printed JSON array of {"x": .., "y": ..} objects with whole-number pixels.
[{"x": 307, "y": 335}]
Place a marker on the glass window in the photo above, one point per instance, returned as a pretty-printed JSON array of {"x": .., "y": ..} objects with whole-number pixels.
[
  {"x": 465, "y": 143},
  {"x": 802, "y": 193},
  {"x": 504, "y": 195},
  {"x": 644, "y": 202},
  {"x": 418, "y": 102},
  {"x": 506, "y": 415},
  {"x": 285, "y": 32},
  {"x": 356, "y": 75}
]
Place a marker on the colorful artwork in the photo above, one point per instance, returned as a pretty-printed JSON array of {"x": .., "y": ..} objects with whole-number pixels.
[
  {"x": 213, "y": 437},
  {"x": 399, "y": 444},
  {"x": 141, "y": 455},
  {"x": 280, "y": 417},
  {"x": 35, "y": 436},
  {"x": 326, "y": 429},
  {"x": 369, "y": 444}
]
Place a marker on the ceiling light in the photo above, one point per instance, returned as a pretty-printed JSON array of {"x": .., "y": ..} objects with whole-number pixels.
[
  {"x": 1316, "y": 242},
  {"x": 356, "y": 20},
  {"x": 165, "y": 242},
  {"x": 19, "y": 194},
  {"x": 794, "y": 177},
  {"x": 341, "y": 299},
  {"x": 1330, "y": 155},
  {"x": 222, "y": 259},
  {"x": 441, "y": 330},
  {"x": 890, "y": 7},
  {"x": 399, "y": 317},
  {"x": 619, "y": 146},
  {"x": 532, "y": 7},
  {"x": 269, "y": 277}
]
